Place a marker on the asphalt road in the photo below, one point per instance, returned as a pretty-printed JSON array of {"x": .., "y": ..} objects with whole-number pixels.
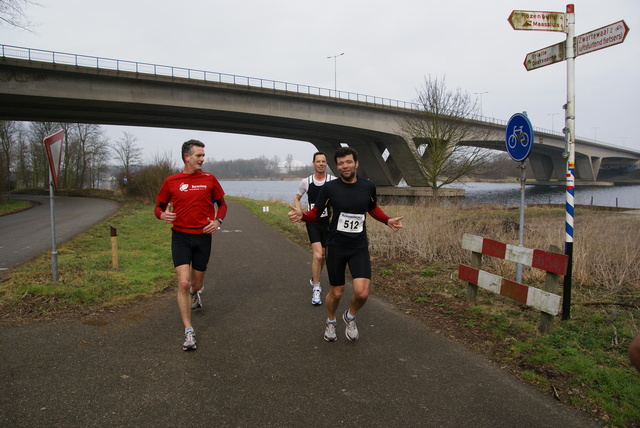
[
  {"x": 261, "y": 360},
  {"x": 26, "y": 234}
]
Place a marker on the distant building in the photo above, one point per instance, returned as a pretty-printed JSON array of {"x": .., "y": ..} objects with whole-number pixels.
[{"x": 296, "y": 165}]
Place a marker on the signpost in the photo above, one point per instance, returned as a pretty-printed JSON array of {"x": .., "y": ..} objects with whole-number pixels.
[
  {"x": 601, "y": 38},
  {"x": 519, "y": 137},
  {"x": 592, "y": 41},
  {"x": 536, "y": 20},
  {"x": 519, "y": 142},
  {"x": 611, "y": 35},
  {"x": 546, "y": 56},
  {"x": 53, "y": 146}
]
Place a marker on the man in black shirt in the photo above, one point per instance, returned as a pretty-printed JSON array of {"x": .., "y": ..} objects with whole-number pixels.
[{"x": 350, "y": 199}]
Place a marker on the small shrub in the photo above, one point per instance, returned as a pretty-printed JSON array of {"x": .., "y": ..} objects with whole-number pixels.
[
  {"x": 428, "y": 272},
  {"x": 145, "y": 184}
]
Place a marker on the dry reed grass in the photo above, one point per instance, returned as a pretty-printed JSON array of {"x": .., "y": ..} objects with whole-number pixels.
[{"x": 606, "y": 254}]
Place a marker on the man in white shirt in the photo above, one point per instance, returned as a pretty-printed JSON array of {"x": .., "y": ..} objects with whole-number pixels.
[{"x": 317, "y": 231}]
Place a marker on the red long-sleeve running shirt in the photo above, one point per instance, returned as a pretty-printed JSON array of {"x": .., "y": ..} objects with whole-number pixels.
[{"x": 194, "y": 198}]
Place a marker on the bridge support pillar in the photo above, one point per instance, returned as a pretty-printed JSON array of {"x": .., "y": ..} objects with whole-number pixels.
[
  {"x": 541, "y": 166},
  {"x": 586, "y": 168}
]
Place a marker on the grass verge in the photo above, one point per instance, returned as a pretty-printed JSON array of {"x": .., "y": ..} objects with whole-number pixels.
[
  {"x": 87, "y": 279},
  {"x": 9, "y": 206}
]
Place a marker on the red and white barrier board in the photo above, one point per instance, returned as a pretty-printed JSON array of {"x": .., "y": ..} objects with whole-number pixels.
[
  {"x": 545, "y": 260},
  {"x": 530, "y": 296}
]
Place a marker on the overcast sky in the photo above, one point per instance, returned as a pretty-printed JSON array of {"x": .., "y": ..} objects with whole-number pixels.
[{"x": 389, "y": 48}]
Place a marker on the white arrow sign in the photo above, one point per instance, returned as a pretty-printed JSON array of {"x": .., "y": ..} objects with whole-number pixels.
[
  {"x": 546, "y": 56},
  {"x": 601, "y": 38}
]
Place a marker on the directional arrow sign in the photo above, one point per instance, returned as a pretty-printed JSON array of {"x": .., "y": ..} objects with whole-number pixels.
[
  {"x": 534, "y": 20},
  {"x": 601, "y": 38},
  {"x": 546, "y": 56}
]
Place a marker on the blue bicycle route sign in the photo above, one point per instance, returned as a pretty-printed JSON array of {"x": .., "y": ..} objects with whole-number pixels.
[{"x": 519, "y": 137}]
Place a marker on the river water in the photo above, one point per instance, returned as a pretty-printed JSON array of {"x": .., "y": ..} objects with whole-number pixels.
[{"x": 475, "y": 193}]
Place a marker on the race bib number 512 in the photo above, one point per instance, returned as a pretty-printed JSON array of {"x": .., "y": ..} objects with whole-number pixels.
[{"x": 351, "y": 223}]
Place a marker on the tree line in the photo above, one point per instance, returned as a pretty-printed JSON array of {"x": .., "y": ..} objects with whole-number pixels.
[
  {"x": 91, "y": 160},
  {"x": 24, "y": 162}
]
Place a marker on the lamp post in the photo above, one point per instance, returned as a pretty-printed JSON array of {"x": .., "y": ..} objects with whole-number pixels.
[
  {"x": 335, "y": 70},
  {"x": 595, "y": 133},
  {"x": 552, "y": 117},
  {"x": 480, "y": 93}
]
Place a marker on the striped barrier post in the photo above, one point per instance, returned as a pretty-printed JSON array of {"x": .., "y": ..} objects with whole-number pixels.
[
  {"x": 547, "y": 301},
  {"x": 568, "y": 245}
]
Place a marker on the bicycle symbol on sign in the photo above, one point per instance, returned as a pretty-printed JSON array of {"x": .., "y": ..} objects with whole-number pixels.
[{"x": 518, "y": 136}]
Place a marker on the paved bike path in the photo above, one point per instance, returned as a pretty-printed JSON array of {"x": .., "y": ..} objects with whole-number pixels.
[{"x": 261, "y": 360}]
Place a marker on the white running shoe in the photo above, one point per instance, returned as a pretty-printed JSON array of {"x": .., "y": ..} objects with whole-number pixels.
[
  {"x": 189, "y": 341},
  {"x": 330, "y": 332},
  {"x": 316, "y": 297},
  {"x": 196, "y": 301},
  {"x": 352, "y": 329}
]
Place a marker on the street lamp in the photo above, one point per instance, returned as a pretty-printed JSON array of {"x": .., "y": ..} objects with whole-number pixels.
[
  {"x": 480, "y": 93},
  {"x": 595, "y": 133},
  {"x": 552, "y": 117},
  {"x": 335, "y": 70}
]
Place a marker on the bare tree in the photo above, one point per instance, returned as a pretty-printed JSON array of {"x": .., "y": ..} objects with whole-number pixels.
[
  {"x": 22, "y": 168},
  {"x": 444, "y": 120},
  {"x": 127, "y": 153},
  {"x": 12, "y": 13},
  {"x": 86, "y": 148},
  {"x": 38, "y": 163},
  {"x": 10, "y": 133},
  {"x": 289, "y": 162}
]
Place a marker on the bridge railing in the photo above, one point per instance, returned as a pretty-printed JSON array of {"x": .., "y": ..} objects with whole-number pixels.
[
  {"x": 212, "y": 76},
  {"x": 188, "y": 73}
]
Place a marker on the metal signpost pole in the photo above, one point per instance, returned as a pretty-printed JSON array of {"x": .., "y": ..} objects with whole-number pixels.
[
  {"x": 54, "y": 252},
  {"x": 570, "y": 126},
  {"x": 523, "y": 179},
  {"x": 53, "y": 147},
  {"x": 519, "y": 142}
]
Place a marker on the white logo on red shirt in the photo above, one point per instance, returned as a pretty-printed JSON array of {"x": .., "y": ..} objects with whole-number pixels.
[{"x": 184, "y": 187}]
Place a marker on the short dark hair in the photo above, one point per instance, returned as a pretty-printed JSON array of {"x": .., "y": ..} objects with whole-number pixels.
[
  {"x": 345, "y": 151},
  {"x": 318, "y": 154},
  {"x": 187, "y": 147}
]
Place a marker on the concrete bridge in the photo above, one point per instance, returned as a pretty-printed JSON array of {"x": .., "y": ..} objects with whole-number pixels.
[{"x": 49, "y": 86}]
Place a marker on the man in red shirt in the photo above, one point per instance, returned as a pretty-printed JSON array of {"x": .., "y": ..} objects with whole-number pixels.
[{"x": 192, "y": 201}]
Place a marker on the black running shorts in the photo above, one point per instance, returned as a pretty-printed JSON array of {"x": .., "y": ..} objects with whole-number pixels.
[
  {"x": 318, "y": 232},
  {"x": 193, "y": 249},
  {"x": 339, "y": 257}
]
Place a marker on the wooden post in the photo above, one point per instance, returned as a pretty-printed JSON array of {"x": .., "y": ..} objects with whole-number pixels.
[
  {"x": 114, "y": 247},
  {"x": 472, "y": 289},
  {"x": 551, "y": 282}
]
